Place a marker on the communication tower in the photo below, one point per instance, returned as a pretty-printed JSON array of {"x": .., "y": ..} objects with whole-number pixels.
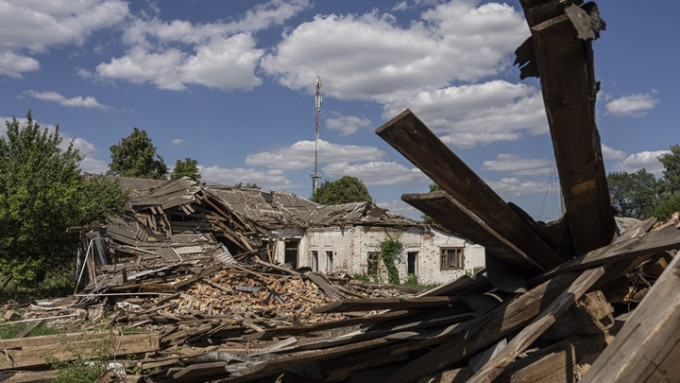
[{"x": 317, "y": 104}]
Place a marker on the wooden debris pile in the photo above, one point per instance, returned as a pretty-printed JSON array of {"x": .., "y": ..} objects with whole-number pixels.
[{"x": 579, "y": 299}]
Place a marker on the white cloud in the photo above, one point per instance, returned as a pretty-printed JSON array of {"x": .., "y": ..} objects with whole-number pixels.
[
  {"x": 469, "y": 115},
  {"x": 222, "y": 54},
  {"x": 401, "y": 207},
  {"x": 369, "y": 57},
  {"x": 609, "y": 153},
  {"x": 89, "y": 164},
  {"x": 346, "y": 125},
  {"x": 516, "y": 165},
  {"x": 156, "y": 32},
  {"x": 73, "y": 102},
  {"x": 635, "y": 105},
  {"x": 645, "y": 159},
  {"x": 222, "y": 63},
  {"x": 177, "y": 141},
  {"x": 400, "y": 6},
  {"x": 13, "y": 65},
  {"x": 300, "y": 155},
  {"x": 270, "y": 179},
  {"x": 377, "y": 173},
  {"x": 512, "y": 186},
  {"x": 32, "y": 26}
]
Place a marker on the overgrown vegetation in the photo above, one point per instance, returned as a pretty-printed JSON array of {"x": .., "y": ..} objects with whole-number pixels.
[
  {"x": 344, "y": 190},
  {"x": 42, "y": 192},
  {"x": 10, "y": 331},
  {"x": 389, "y": 249},
  {"x": 88, "y": 364},
  {"x": 641, "y": 195}
]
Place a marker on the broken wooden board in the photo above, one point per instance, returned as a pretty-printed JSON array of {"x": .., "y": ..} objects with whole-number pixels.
[
  {"x": 565, "y": 67},
  {"x": 647, "y": 348},
  {"x": 415, "y": 141},
  {"x": 627, "y": 248},
  {"x": 369, "y": 304},
  {"x": 494, "y": 367},
  {"x": 36, "y": 351},
  {"x": 485, "y": 330}
]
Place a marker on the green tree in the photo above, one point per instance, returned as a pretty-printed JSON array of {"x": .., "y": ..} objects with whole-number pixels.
[
  {"x": 344, "y": 190},
  {"x": 633, "y": 194},
  {"x": 42, "y": 192},
  {"x": 671, "y": 172},
  {"x": 669, "y": 199},
  {"x": 135, "y": 156},
  {"x": 247, "y": 185},
  {"x": 186, "y": 168}
]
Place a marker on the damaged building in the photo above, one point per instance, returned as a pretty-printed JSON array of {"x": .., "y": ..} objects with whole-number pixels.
[{"x": 168, "y": 221}]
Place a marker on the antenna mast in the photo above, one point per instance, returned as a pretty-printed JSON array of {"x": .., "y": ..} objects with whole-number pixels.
[{"x": 317, "y": 105}]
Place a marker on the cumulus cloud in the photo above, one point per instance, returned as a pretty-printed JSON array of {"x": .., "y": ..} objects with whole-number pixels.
[
  {"x": 222, "y": 63},
  {"x": 13, "y": 65},
  {"x": 270, "y": 179},
  {"x": 469, "y": 115},
  {"x": 300, "y": 155},
  {"x": 609, "y": 153},
  {"x": 177, "y": 141},
  {"x": 516, "y": 165},
  {"x": 645, "y": 159},
  {"x": 370, "y": 57},
  {"x": 377, "y": 173},
  {"x": 73, "y": 102},
  {"x": 90, "y": 162},
  {"x": 346, "y": 125},
  {"x": 222, "y": 55},
  {"x": 512, "y": 186},
  {"x": 401, "y": 207},
  {"x": 32, "y": 26},
  {"x": 635, "y": 105}
]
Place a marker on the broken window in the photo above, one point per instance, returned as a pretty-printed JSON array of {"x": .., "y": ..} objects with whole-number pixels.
[
  {"x": 452, "y": 258},
  {"x": 315, "y": 260},
  {"x": 412, "y": 261},
  {"x": 329, "y": 261},
  {"x": 291, "y": 253}
]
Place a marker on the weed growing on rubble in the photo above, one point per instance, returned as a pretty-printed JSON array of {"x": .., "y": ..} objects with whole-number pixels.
[{"x": 87, "y": 364}]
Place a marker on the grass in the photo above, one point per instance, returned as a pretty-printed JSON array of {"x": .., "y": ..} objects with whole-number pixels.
[
  {"x": 9, "y": 331},
  {"x": 58, "y": 283}
]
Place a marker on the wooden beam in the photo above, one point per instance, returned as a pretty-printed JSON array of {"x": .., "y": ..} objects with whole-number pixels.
[
  {"x": 627, "y": 248},
  {"x": 457, "y": 219},
  {"x": 484, "y": 331},
  {"x": 368, "y": 304},
  {"x": 647, "y": 348},
  {"x": 415, "y": 141},
  {"x": 494, "y": 367},
  {"x": 28, "y": 352},
  {"x": 565, "y": 67}
]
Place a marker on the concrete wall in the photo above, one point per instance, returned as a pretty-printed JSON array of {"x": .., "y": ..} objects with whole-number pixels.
[{"x": 350, "y": 246}]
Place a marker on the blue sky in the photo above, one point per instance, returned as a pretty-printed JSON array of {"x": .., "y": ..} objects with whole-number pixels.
[{"x": 231, "y": 83}]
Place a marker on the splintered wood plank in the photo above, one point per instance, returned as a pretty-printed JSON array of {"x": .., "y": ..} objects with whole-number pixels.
[
  {"x": 415, "y": 141},
  {"x": 14, "y": 354},
  {"x": 484, "y": 331},
  {"x": 368, "y": 304},
  {"x": 565, "y": 67},
  {"x": 453, "y": 216},
  {"x": 494, "y": 367},
  {"x": 627, "y": 248},
  {"x": 647, "y": 348}
]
